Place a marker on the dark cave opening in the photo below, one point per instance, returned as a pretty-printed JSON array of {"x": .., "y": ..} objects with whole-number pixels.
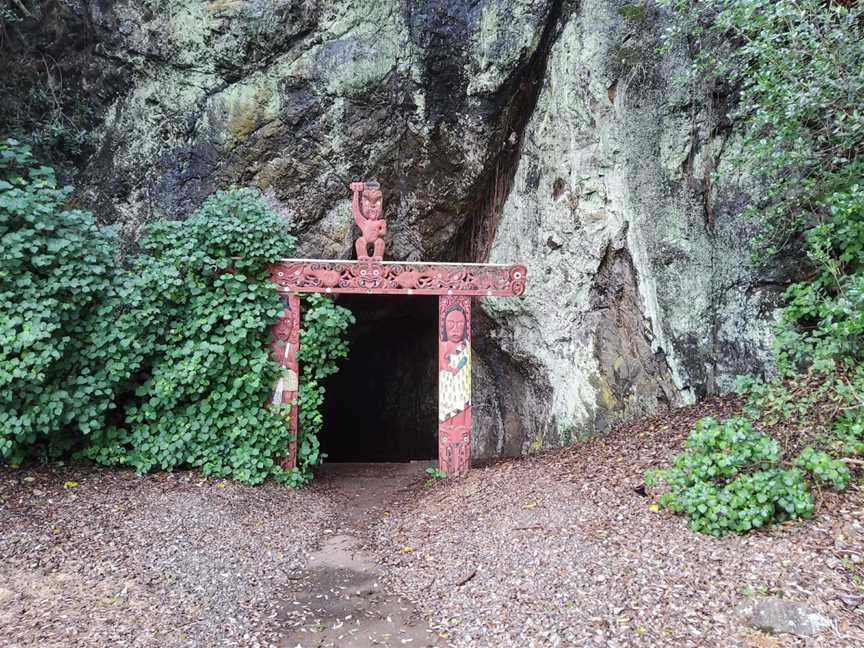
[{"x": 382, "y": 404}]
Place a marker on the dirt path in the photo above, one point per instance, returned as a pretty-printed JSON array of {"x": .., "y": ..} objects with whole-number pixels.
[
  {"x": 93, "y": 557},
  {"x": 558, "y": 549},
  {"x": 340, "y": 600}
]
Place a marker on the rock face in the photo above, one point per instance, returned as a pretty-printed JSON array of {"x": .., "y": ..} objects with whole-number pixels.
[
  {"x": 548, "y": 132},
  {"x": 642, "y": 293}
]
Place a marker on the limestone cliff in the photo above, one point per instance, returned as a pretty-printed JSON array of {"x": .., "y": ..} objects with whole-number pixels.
[{"x": 549, "y": 132}]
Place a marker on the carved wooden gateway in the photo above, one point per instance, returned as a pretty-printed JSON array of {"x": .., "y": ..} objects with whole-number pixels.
[{"x": 453, "y": 283}]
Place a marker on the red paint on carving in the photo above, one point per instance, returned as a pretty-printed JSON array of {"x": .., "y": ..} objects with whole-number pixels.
[
  {"x": 283, "y": 350},
  {"x": 394, "y": 278},
  {"x": 454, "y": 283},
  {"x": 454, "y": 384},
  {"x": 366, "y": 207}
]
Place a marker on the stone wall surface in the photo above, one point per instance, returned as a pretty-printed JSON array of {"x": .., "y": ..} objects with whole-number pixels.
[
  {"x": 549, "y": 132},
  {"x": 642, "y": 291}
]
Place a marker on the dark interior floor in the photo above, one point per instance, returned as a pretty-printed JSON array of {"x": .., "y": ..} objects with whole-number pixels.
[{"x": 382, "y": 405}]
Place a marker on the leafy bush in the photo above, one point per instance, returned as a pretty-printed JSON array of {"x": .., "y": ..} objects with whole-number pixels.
[
  {"x": 729, "y": 479},
  {"x": 434, "y": 475},
  {"x": 193, "y": 323},
  {"x": 811, "y": 407},
  {"x": 190, "y": 321},
  {"x": 161, "y": 365},
  {"x": 822, "y": 323},
  {"x": 847, "y": 435},
  {"x": 56, "y": 270},
  {"x": 796, "y": 69},
  {"x": 823, "y": 467}
]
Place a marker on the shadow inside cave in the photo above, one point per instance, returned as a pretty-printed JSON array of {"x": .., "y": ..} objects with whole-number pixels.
[{"x": 382, "y": 404}]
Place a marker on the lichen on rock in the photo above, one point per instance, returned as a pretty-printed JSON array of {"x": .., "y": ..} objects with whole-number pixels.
[{"x": 547, "y": 132}]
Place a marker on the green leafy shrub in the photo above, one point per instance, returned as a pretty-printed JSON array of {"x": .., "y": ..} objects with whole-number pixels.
[
  {"x": 847, "y": 435},
  {"x": 56, "y": 271},
  {"x": 819, "y": 408},
  {"x": 823, "y": 467},
  {"x": 192, "y": 323},
  {"x": 160, "y": 365},
  {"x": 433, "y": 476},
  {"x": 729, "y": 479},
  {"x": 795, "y": 69},
  {"x": 822, "y": 323}
]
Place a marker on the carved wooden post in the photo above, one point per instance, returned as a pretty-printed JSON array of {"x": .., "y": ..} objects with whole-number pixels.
[
  {"x": 454, "y": 384},
  {"x": 286, "y": 342},
  {"x": 453, "y": 283}
]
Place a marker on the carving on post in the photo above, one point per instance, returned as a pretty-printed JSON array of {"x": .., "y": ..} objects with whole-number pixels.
[
  {"x": 394, "y": 278},
  {"x": 453, "y": 283},
  {"x": 454, "y": 385},
  {"x": 283, "y": 350},
  {"x": 366, "y": 207}
]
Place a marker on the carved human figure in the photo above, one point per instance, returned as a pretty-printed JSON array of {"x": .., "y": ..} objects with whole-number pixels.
[
  {"x": 454, "y": 386},
  {"x": 283, "y": 350},
  {"x": 366, "y": 206}
]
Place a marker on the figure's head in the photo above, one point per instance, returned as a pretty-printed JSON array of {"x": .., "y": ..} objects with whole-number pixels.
[
  {"x": 285, "y": 323},
  {"x": 455, "y": 324},
  {"x": 371, "y": 201}
]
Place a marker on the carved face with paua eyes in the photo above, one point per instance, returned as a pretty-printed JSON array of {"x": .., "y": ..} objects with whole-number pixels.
[{"x": 371, "y": 202}]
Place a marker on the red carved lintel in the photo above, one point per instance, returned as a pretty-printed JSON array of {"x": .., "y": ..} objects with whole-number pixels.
[
  {"x": 453, "y": 283},
  {"x": 394, "y": 278},
  {"x": 454, "y": 384},
  {"x": 285, "y": 336}
]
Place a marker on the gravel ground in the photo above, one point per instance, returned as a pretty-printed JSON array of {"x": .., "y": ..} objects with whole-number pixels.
[
  {"x": 560, "y": 549},
  {"x": 106, "y": 558}
]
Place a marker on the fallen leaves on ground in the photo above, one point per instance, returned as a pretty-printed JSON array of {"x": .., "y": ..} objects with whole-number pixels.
[
  {"x": 565, "y": 549},
  {"x": 164, "y": 560}
]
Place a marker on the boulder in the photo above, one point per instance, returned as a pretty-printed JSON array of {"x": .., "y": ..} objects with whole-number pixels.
[{"x": 777, "y": 616}]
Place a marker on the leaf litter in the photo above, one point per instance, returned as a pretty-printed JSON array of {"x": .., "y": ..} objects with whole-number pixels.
[{"x": 561, "y": 548}]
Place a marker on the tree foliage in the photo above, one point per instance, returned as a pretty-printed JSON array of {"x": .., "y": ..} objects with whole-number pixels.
[{"x": 796, "y": 67}]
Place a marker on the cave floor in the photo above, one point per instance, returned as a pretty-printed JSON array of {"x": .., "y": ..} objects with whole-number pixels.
[{"x": 561, "y": 548}]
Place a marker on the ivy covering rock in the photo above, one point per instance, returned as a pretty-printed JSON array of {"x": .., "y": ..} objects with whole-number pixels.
[{"x": 159, "y": 365}]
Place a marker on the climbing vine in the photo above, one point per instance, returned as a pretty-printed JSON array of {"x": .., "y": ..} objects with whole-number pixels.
[{"x": 322, "y": 345}]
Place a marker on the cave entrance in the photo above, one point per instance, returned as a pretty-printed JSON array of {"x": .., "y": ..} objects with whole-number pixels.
[
  {"x": 381, "y": 399},
  {"x": 382, "y": 405}
]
